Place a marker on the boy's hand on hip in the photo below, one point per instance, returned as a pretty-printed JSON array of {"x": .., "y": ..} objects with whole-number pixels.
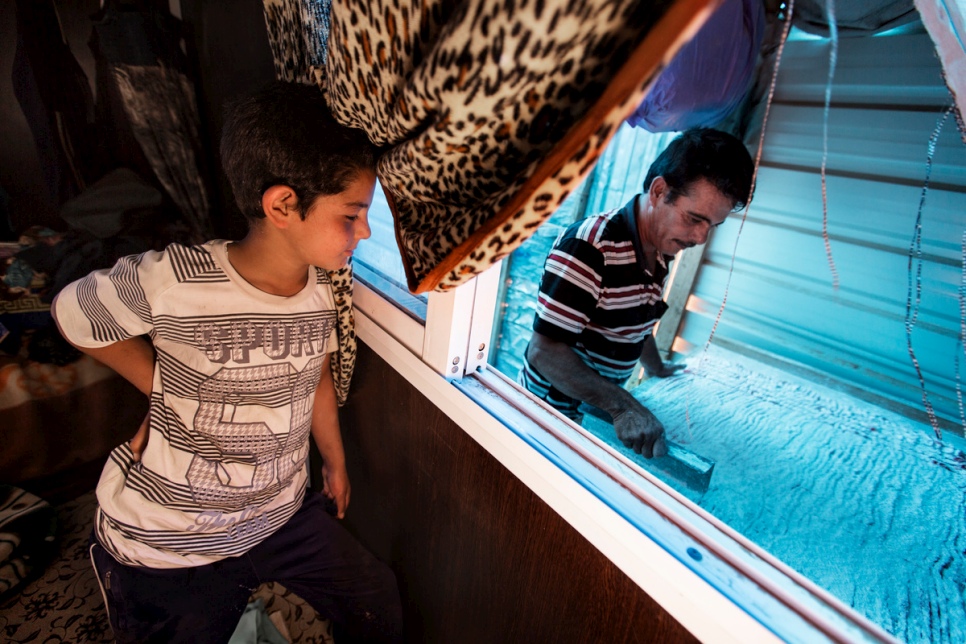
[
  {"x": 140, "y": 439},
  {"x": 336, "y": 487}
]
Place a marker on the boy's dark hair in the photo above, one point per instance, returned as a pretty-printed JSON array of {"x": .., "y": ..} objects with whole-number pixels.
[
  {"x": 284, "y": 134},
  {"x": 705, "y": 153}
]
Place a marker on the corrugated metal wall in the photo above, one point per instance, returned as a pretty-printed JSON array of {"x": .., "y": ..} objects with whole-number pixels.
[{"x": 886, "y": 100}]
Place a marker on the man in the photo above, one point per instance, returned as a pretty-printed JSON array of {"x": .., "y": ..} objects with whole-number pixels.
[{"x": 601, "y": 291}]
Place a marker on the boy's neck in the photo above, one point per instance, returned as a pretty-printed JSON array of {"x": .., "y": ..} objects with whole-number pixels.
[{"x": 265, "y": 268}]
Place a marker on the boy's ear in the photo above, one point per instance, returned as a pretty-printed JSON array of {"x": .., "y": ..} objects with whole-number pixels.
[{"x": 280, "y": 204}]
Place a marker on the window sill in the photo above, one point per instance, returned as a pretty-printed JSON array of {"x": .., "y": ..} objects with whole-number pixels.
[{"x": 717, "y": 585}]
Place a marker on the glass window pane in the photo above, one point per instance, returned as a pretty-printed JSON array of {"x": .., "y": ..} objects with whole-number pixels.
[
  {"x": 804, "y": 425},
  {"x": 377, "y": 261},
  {"x": 618, "y": 176}
]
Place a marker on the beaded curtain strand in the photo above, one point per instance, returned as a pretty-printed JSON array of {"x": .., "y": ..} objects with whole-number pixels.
[
  {"x": 962, "y": 330},
  {"x": 915, "y": 258},
  {"x": 833, "y": 33},
  {"x": 744, "y": 212}
]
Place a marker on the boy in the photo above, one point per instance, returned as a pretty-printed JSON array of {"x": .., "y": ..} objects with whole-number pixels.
[{"x": 209, "y": 499}]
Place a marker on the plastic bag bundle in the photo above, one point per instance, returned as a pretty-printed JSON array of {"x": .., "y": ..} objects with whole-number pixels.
[{"x": 709, "y": 76}]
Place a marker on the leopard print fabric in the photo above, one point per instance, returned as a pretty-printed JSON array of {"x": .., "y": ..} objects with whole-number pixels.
[
  {"x": 494, "y": 110},
  {"x": 297, "y": 32}
]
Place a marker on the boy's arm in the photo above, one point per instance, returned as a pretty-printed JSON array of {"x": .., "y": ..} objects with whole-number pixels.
[
  {"x": 328, "y": 438},
  {"x": 133, "y": 359}
]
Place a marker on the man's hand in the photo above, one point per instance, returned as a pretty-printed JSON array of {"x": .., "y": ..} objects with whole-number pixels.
[
  {"x": 638, "y": 429},
  {"x": 336, "y": 487},
  {"x": 665, "y": 370},
  {"x": 654, "y": 365}
]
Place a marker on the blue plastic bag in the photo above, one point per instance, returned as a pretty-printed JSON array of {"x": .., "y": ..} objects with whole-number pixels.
[{"x": 709, "y": 76}]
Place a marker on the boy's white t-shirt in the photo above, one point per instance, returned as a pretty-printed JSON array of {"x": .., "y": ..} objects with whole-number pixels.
[{"x": 231, "y": 406}]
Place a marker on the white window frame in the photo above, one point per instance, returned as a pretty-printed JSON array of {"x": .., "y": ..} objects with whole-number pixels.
[
  {"x": 455, "y": 339},
  {"x": 737, "y": 593}
]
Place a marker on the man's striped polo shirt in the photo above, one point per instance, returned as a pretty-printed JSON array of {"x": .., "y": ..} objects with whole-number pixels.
[{"x": 598, "y": 297}]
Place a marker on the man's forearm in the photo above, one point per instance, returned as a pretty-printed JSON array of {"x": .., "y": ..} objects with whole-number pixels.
[
  {"x": 559, "y": 364},
  {"x": 636, "y": 427}
]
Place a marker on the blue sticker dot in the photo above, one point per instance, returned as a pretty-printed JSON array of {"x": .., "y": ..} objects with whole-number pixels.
[{"x": 693, "y": 552}]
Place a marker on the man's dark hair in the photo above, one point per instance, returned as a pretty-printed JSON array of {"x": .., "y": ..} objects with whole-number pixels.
[
  {"x": 284, "y": 134},
  {"x": 705, "y": 153}
]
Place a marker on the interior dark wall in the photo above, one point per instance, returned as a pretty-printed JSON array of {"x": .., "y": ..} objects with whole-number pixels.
[
  {"x": 20, "y": 172},
  {"x": 479, "y": 557},
  {"x": 228, "y": 49},
  {"x": 227, "y": 41}
]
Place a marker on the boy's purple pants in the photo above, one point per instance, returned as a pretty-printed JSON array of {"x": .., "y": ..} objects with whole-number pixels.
[{"x": 312, "y": 555}]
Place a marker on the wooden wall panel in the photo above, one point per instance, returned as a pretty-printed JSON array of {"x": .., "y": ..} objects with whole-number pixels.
[{"x": 479, "y": 557}]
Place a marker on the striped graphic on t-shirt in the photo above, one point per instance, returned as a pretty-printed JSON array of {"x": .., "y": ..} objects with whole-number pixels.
[
  {"x": 104, "y": 328},
  {"x": 124, "y": 276},
  {"x": 193, "y": 263}
]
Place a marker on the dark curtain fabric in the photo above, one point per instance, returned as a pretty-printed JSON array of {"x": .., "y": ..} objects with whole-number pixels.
[
  {"x": 492, "y": 111},
  {"x": 55, "y": 97},
  {"x": 6, "y": 227},
  {"x": 745, "y": 121},
  {"x": 147, "y": 106},
  {"x": 297, "y": 32}
]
